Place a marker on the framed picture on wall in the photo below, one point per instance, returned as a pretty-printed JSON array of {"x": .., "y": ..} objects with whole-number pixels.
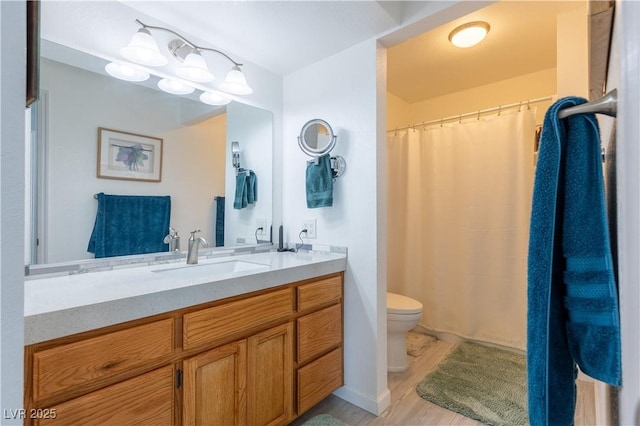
[
  {"x": 33, "y": 51},
  {"x": 129, "y": 156}
]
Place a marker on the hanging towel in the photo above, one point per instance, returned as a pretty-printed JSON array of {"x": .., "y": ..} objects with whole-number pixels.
[
  {"x": 319, "y": 182},
  {"x": 240, "y": 200},
  {"x": 130, "y": 224},
  {"x": 573, "y": 315},
  {"x": 246, "y": 189},
  {"x": 219, "y": 221},
  {"x": 252, "y": 188}
]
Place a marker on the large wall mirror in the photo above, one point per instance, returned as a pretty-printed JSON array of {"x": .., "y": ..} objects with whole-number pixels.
[{"x": 78, "y": 97}]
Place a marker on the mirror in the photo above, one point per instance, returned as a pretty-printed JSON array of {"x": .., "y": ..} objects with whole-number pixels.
[
  {"x": 316, "y": 138},
  {"x": 196, "y": 156}
]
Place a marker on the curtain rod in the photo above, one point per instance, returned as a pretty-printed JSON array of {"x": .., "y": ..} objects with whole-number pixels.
[{"x": 526, "y": 103}]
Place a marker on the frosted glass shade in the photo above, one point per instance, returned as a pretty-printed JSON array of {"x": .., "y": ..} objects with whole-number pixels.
[
  {"x": 195, "y": 69},
  {"x": 470, "y": 34},
  {"x": 214, "y": 98},
  {"x": 143, "y": 49},
  {"x": 175, "y": 86},
  {"x": 236, "y": 83},
  {"x": 126, "y": 72}
]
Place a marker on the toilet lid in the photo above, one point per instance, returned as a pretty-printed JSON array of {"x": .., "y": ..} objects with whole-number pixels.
[{"x": 399, "y": 304}]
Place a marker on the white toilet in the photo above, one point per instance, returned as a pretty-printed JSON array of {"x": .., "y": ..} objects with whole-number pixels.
[{"x": 403, "y": 313}]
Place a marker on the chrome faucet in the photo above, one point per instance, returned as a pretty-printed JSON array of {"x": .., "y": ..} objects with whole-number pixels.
[
  {"x": 173, "y": 239},
  {"x": 194, "y": 245}
]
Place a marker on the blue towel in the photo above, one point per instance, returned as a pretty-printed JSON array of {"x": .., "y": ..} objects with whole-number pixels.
[
  {"x": 573, "y": 315},
  {"x": 252, "y": 188},
  {"x": 246, "y": 189},
  {"x": 320, "y": 183},
  {"x": 130, "y": 224},
  {"x": 219, "y": 221}
]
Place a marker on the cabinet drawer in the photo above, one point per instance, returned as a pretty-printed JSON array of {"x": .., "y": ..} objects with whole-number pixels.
[
  {"x": 318, "y": 332},
  {"x": 318, "y": 379},
  {"x": 143, "y": 400},
  {"x": 231, "y": 318},
  {"x": 70, "y": 365},
  {"x": 319, "y": 293}
]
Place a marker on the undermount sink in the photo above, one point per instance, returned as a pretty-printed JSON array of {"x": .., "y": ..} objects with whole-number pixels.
[{"x": 210, "y": 269}]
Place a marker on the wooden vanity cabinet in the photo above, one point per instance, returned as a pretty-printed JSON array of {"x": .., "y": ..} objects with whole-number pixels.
[
  {"x": 257, "y": 359},
  {"x": 319, "y": 325},
  {"x": 243, "y": 382}
]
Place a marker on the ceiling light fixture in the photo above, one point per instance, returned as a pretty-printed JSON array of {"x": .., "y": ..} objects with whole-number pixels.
[
  {"x": 469, "y": 34},
  {"x": 143, "y": 49}
]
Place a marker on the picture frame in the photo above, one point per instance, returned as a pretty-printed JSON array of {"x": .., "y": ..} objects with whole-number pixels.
[
  {"x": 129, "y": 156},
  {"x": 33, "y": 51}
]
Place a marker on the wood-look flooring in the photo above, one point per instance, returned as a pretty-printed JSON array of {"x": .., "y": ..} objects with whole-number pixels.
[{"x": 408, "y": 408}]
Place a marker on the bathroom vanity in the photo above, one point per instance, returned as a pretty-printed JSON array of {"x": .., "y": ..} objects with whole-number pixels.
[{"x": 257, "y": 345}]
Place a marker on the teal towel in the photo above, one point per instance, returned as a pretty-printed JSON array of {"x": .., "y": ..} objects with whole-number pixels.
[
  {"x": 219, "y": 221},
  {"x": 320, "y": 183},
  {"x": 573, "y": 315},
  {"x": 130, "y": 224},
  {"x": 246, "y": 189},
  {"x": 252, "y": 188}
]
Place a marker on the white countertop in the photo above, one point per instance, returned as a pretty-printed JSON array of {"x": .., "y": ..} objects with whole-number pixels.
[{"x": 65, "y": 305}]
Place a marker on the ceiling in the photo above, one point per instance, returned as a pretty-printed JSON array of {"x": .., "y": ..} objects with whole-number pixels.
[
  {"x": 522, "y": 40},
  {"x": 284, "y": 36}
]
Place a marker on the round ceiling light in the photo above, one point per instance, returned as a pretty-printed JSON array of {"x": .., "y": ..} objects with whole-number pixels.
[{"x": 469, "y": 34}]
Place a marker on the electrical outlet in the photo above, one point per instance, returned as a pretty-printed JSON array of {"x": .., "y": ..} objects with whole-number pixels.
[
  {"x": 261, "y": 223},
  {"x": 310, "y": 226}
]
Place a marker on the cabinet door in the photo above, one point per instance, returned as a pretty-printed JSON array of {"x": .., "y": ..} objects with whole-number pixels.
[
  {"x": 143, "y": 400},
  {"x": 214, "y": 387},
  {"x": 270, "y": 376}
]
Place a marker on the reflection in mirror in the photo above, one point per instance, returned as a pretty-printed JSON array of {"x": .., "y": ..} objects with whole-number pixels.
[
  {"x": 195, "y": 166},
  {"x": 316, "y": 138}
]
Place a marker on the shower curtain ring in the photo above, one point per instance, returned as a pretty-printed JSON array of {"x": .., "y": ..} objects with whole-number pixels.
[
  {"x": 528, "y": 104},
  {"x": 441, "y": 121},
  {"x": 478, "y": 115},
  {"x": 499, "y": 110},
  {"x": 520, "y": 107}
]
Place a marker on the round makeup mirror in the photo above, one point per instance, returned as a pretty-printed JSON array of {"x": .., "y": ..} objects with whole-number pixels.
[{"x": 316, "y": 138}]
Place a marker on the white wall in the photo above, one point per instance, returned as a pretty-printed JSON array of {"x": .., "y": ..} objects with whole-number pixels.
[
  {"x": 513, "y": 90},
  {"x": 12, "y": 129},
  {"x": 342, "y": 90},
  {"x": 80, "y": 102}
]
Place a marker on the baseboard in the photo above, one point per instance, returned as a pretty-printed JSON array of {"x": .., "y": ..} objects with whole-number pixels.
[{"x": 375, "y": 407}]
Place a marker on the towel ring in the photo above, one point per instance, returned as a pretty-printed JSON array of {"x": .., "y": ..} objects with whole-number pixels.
[{"x": 317, "y": 139}]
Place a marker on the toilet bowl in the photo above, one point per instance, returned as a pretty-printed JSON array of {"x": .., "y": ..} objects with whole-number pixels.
[{"x": 403, "y": 313}]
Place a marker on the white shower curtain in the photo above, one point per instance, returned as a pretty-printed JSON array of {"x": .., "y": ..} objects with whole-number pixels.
[{"x": 458, "y": 222}]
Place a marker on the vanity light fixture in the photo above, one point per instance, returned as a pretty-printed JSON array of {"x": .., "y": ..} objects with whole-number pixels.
[
  {"x": 469, "y": 34},
  {"x": 126, "y": 72},
  {"x": 194, "y": 67}
]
